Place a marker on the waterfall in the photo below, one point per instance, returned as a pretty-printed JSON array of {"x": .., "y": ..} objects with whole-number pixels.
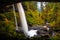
[
  {"x": 22, "y": 18},
  {"x": 30, "y": 33},
  {"x": 15, "y": 17},
  {"x": 41, "y": 5}
]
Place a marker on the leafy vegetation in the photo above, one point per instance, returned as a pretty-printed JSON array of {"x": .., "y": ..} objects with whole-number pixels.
[{"x": 50, "y": 14}]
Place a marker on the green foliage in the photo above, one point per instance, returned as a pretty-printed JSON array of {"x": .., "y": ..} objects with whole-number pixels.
[
  {"x": 56, "y": 37},
  {"x": 50, "y": 14},
  {"x": 33, "y": 17},
  {"x": 10, "y": 27}
]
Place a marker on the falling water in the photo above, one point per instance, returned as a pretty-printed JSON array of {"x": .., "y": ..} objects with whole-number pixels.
[
  {"x": 27, "y": 33},
  {"x": 22, "y": 18},
  {"x": 39, "y": 5},
  {"x": 15, "y": 17}
]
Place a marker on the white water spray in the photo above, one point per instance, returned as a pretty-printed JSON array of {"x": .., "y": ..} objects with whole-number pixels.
[{"x": 32, "y": 33}]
